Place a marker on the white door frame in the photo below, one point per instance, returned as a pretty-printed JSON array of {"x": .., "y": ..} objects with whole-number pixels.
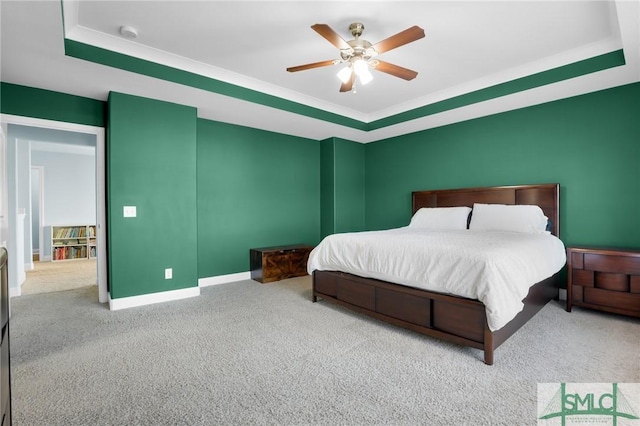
[
  {"x": 101, "y": 196},
  {"x": 40, "y": 211},
  {"x": 4, "y": 221}
]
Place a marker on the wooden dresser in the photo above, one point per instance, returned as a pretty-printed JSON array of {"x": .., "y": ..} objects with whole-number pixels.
[
  {"x": 278, "y": 263},
  {"x": 604, "y": 279}
]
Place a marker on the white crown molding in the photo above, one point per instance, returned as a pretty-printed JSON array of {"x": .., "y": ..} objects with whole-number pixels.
[{"x": 548, "y": 63}]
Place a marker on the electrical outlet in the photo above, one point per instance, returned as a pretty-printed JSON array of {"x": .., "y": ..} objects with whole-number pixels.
[
  {"x": 168, "y": 273},
  {"x": 129, "y": 211}
]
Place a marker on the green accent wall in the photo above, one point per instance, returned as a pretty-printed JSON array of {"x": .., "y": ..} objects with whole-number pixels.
[
  {"x": 255, "y": 189},
  {"x": 151, "y": 164},
  {"x": 590, "y": 144},
  {"x": 342, "y": 186},
  {"x": 45, "y": 104}
]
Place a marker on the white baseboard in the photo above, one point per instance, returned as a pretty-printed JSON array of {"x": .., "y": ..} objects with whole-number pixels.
[
  {"x": 167, "y": 296},
  {"x": 223, "y": 279},
  {"x": 149, "y": 299},
  {"x": 30, "y": 266},
  {"x": 15, "y": 291},
  {"x": 45, "y": 258}
]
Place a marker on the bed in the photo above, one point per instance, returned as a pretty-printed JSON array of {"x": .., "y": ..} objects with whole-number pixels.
[{"x": 459, "y": 319}]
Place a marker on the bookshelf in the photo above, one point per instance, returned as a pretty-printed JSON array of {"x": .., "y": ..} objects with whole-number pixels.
[{"x": 72, "y": 242}]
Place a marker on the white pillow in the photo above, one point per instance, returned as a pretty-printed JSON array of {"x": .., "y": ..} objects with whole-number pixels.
[
  {"x": 501, "y": 217},
  {"x": 441, "y": 218}
]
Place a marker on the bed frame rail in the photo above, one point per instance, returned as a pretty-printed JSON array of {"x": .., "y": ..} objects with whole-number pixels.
[{"x": 451, "y": 318}]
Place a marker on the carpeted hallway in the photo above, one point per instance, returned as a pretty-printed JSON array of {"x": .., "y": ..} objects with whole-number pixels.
[
  {"x": 247, "y": 353},
  {"x": 47, "y": 277}
]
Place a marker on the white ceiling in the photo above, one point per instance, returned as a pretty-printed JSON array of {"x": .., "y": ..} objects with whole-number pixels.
[{"x": 468, "y": 46}]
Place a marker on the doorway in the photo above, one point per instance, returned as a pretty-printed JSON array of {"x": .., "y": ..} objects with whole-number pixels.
[
  {"x": 13, "y": 242},
  {"x": 62, "y": 179}
]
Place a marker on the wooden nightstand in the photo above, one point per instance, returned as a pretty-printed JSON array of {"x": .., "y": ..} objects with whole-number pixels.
[
  {"x": 277, "y": 263},
  {"x": 604, "y": 279}
]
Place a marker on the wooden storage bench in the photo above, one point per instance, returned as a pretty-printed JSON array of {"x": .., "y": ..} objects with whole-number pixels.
[{"x": 278, "y": 263}]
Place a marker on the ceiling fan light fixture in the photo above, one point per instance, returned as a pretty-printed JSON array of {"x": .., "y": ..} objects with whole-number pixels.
[
  {"x": 359, "y": 55},
  {"x": 365, "y": 76},
  {"x": 344, "y": 74},
  {"x": 361, "y": 68}
]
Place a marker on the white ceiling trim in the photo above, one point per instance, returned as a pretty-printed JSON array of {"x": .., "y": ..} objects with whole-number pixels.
[
  {"x": 127, "y": 47},
  {"x": 76, "y": 32},
  {"x": 566, "y": 58}
]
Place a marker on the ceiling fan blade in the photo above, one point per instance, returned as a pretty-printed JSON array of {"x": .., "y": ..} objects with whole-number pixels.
[
  {"x": 313, "y": 65},
  {"x": 349, "y": 84},
  {"x": 332, "y": 37},
  {"x": 396, "y": 70},
  {"x": 407, "y": 36}
]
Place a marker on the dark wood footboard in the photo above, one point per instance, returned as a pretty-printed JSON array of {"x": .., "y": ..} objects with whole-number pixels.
[{"x": 455, "y": 319}]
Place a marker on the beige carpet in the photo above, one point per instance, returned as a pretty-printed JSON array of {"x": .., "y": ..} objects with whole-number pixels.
[
  {"x": 48, "y": 277},
  {"x": 246, "y": 353}
]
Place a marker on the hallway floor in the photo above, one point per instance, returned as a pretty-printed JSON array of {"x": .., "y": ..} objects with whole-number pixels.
[{"x": 48, "y": 277}]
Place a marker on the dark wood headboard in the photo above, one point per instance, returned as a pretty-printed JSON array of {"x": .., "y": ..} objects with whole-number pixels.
[{"x": 546, "y": 196}]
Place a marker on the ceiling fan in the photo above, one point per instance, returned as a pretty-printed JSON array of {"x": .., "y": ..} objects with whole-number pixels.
[{"x": 360, "y": 55}]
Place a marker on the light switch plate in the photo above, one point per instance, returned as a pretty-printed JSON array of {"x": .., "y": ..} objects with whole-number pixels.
[
  {"x": 168, "y": 273},
  {"x": 129, "y": 211}
]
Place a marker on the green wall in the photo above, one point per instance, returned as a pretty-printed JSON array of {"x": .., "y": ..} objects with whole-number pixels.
[
  {"x": 255, "y": 189},
  {"x": 590, "y": 144},
  {"x": 327, "y": 187},
  {"x": 45, "y": 104},
  {"x": 342, "y": 186},
  {"x": 151, "y": 164}
]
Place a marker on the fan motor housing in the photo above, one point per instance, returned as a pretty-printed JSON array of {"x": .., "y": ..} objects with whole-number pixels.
[
  {"x": 360, "y": 48},
  {"x": 356, "y": 29}
]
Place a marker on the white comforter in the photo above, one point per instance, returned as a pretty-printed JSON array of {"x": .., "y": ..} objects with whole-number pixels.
[{"x": 496, "y": 268}]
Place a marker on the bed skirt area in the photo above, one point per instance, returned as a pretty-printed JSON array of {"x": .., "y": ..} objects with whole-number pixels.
[{"x": 455, "y": 319}]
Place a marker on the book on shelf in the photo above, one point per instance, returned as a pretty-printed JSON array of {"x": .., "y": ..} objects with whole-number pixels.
[{"x": 73, "y": 242}]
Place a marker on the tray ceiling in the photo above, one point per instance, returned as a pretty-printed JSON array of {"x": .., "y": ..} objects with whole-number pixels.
[{"x": 228, "y": 58}]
